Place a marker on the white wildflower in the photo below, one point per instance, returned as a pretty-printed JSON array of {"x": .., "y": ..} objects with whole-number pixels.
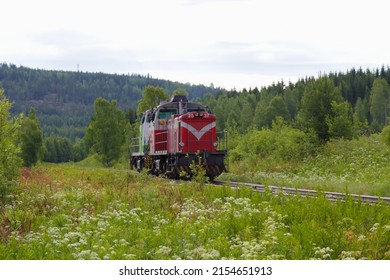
[{"x": 374, "y": 228}]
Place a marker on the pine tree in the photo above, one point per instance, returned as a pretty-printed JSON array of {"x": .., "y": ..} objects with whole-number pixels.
[
  {"x": 246, "y": 117},
  {"x": 360, "y": 121},
  {"x": 380, "y": 96},
  {"x": 339, "y": 122},
  {"x": 316, "y": 106}
]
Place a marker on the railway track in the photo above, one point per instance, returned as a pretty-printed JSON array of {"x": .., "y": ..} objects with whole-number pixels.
[{"x": 333, "y": 196}]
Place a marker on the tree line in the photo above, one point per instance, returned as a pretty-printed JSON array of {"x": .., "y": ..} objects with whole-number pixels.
[
  {"x": 333, "y": 105},
  {"x": 313, "y": 109},
  {"x": 64, "y": 100},
  {"x": 22, "y": 142}
]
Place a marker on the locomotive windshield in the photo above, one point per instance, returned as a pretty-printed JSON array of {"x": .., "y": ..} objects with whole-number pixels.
[
  {"x": 197, "y": 110},
  {"x": 166, "y": 113}
]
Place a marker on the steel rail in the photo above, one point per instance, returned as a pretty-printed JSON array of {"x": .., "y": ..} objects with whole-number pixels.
[{"x": 333, "y": 196}]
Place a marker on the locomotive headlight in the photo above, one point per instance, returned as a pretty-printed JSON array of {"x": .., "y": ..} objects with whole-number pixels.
[
  {"x": 196, "y": 114},
  {"x": 215, "y": 144},
  {"x": 201, "y": 114},
  {"x": 181, "y": 144}
]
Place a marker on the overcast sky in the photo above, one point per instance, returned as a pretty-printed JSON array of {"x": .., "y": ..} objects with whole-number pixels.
[{"x": 230, "y": 43}]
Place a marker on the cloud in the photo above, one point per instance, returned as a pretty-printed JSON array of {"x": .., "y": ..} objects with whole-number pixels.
[
  {"x": 198, "y": 2},
  {"x": 66, "y": 50},
  {"x": 227, "y": 42},
  {"x": 227, "y": 63},
  {"x": 262, "y": 58}
]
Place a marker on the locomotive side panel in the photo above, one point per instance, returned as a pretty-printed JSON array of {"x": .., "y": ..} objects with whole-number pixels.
[
  {"x": 159, "y": 130},
  {"x": 173, "y": 135},
  {"x": 158, "y": 141}
]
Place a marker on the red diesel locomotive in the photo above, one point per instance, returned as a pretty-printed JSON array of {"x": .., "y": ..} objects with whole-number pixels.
[{"x": 176, "y": 134}]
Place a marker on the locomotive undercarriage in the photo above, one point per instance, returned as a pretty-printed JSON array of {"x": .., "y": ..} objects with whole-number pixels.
[{"x": 180, "y": 165}]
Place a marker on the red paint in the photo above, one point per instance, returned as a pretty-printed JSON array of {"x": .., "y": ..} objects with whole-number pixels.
[{"x": 191, "y": 134}]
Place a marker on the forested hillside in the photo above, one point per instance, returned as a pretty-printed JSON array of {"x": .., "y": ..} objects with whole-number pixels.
[
  {"x": 331, "y": 105},
  {"x": 334, "y": 105},
  {"x": 64, "y": 100}
]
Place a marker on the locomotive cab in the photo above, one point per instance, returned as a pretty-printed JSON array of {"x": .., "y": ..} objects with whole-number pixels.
[
  {"x": 159, "y": 129},
  {"x": 145, "y": 131}
]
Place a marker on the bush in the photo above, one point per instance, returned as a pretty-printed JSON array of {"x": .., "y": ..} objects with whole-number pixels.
[
  {"x": 281, "y": 142},
  {"x": 9, "y": 159},
  {"x": 386, "y": 135}
]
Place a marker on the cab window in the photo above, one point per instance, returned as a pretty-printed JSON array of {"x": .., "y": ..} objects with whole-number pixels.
[
  {"x": 146, "y": 118},
  {"x": 166, "y": 114}
]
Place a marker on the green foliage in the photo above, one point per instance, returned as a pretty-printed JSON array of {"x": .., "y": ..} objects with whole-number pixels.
[
  {"x": 292, "y": 98},
  {"x": 64, "y": 100},
  {"x": 61, "y": 149},
  {"x": 380, "y": 96},
  {"x": 246, "y": 117},
  {"x": 317, "y": 106},
  {"x": 151, "y": 97},
  {"x": 361, "y": 165},
  {"x": 92, "y": 161},
  {"x": 358, "y": 165},
  {"x": 386, "y": 135},
  {"x": 196, "y": 174},
  {"x": 180, "y": 91},
  {"x": 60, "y": 96},
  {"x": 65, "y": 212},
  {"x": 360, "y": 121},
  {"x": 31, "y": 139},
  {"x": 106, "y": 132},
  {"x": 9, "y": 152},
  {"x": 276, "y": 108},
  {"x": 305, "y": 104},
  {"x": 339, "y": 121},
  {"x": 281, "y": 142}
]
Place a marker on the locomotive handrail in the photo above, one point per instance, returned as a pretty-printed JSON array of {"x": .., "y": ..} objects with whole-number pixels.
[
  {"x": 222, "y": 140},
  {"x": 223, "y": 145},
  {"x": 163, "y": 132},
  {"x": 134, "y": 145}
]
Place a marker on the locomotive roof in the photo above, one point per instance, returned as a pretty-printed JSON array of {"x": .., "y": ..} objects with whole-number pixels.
[{"x": 176, "y": 100}]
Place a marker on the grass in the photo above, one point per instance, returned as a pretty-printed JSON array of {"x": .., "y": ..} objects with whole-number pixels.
[
  {"x": 358, "y": 166},
  {"x": 70, "y": 212}
]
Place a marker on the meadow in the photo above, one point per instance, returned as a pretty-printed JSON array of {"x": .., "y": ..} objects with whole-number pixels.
[
  {"x": 288, "y": 157},
  {"x": 70, "y": 212}
]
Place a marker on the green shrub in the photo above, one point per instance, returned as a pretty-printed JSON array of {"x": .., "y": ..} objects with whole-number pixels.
[
  {"x": 386, "y": 135},
  {"x": 9, "y": 159},
  {"x": 281, "y": 142},
  {"x": 65, "y": 212}
]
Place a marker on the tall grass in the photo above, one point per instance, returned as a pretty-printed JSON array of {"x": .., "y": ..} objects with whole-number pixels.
[
  {"x": 285, "y": 157},
  {"x": 67, "y": 212}
]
